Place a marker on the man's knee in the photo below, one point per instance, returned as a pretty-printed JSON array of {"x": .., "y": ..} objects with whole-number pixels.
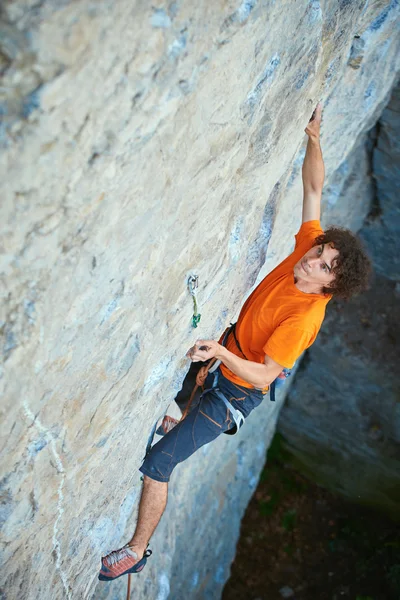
[
  {"x": 154, "y": 467},
  {"x": 149, "y": 482}
]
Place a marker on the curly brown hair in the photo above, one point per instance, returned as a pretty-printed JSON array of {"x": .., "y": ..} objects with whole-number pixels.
[{"x": 352, "y": 268}]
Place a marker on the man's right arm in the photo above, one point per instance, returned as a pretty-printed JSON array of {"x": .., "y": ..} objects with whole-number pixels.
[{"x": 313, "y": 170}]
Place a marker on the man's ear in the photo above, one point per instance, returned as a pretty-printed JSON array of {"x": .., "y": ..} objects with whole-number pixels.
[{"x": 327, "y": 288}]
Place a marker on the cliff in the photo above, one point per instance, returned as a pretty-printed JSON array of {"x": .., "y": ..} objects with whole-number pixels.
[{"x": 139, "y": 144}]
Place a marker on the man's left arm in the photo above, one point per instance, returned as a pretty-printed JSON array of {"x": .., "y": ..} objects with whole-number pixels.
[{"x": 313, "y": 169}]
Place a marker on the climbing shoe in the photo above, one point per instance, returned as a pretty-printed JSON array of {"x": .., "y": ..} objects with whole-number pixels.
[{"x": 122, "y": 562}]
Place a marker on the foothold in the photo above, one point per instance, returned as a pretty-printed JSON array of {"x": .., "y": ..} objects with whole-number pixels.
[
  {"x": 245, "y": 9},
  {"x": 177, "y": 46},
  {"x": 260, "y": 143},
  {"x": 10, "y": 343},
  {"x": 184, "y": 86},
  {"x": 7, "y": 503},
  {"x": 36, "y": 446},
  {"x": 3, "y": 110},
  {"x": 173, "y": 9},
  {"x": 356, "y": 53},
  {"x": 93, "y": 158},
  {"x": 370, "y": 94},
  {"x": 268, "y": 73},
  {"x": 164, "y": 587},
  {"x": 219, "y": 576},
  {"x": 253, "y": 480},
  {"x": 135, "y": 99},
  {"x": 29, "y": 310},
  {"x": 331, "y": 71},
  {"x": 195, "y": 579},
  {"x": 33, "y": 502},
  {"x": 236, "y": 240},
  {"x": 380, "y": 19},
  {"x": 254, "y": 97},
  {"x": 240, "y": 15},
  {"x": 160, "y": 19},
  {"x": 31, "y": 103},
  {"x": 102, "y": 442},
  {"x": 314, "y": 11},
  {"x": 301, "y": 78}
]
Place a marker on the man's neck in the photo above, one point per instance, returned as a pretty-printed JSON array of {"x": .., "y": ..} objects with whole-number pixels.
[{"x": 307, "y": 288}]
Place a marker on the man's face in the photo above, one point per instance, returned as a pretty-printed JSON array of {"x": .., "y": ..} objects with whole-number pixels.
[{"x": 315, "y": 268}]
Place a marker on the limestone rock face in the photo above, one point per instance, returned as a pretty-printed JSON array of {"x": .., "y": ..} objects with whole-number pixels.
[
  {"x": 142, "y": 143},
  {"x": 344, "y": 403}
]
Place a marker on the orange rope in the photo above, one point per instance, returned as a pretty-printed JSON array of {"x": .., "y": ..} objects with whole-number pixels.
[
  {"x": 128, "y": 593},
  {"x": 200, "y": 379}
]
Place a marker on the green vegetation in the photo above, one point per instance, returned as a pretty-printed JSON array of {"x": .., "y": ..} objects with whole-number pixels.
[
  {"x": 289, "y": 520},
  {"x": 352, "y": 536},
  {"x": 288, "y": 483}
]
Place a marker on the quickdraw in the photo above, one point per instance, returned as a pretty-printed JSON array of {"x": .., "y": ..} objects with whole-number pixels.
[{"x": 193, "y": 284}]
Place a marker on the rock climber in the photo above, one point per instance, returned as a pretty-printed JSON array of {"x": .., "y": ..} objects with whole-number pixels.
[{"x": 279, "y": 320}]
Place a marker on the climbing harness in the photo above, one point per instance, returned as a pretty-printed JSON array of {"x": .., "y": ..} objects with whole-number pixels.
[
  {"x": 236, "y": 414},
  {"x": 193, "y": 284}
]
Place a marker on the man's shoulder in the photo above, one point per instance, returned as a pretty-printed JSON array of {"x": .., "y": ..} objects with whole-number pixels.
[
  {"x": 308, "y": 232},
  {"x": 308, "y": 315}
]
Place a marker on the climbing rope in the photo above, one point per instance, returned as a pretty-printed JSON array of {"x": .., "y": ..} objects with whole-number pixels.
[
  {"x": 193, "y": 284},
  {"x": 200, "y": 379},
  {"x": 128, "y": 592}
]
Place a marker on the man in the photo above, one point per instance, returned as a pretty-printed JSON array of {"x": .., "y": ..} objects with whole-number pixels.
[{"x": 279, "y": 320}]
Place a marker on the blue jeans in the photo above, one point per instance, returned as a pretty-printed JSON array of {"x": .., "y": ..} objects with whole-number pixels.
[{"x": 208, "y": 418}]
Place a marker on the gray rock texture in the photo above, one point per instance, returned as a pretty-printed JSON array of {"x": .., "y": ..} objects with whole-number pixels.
[
  {"x": 342, "y": 417},
  {"x": 142, "y": 143}
]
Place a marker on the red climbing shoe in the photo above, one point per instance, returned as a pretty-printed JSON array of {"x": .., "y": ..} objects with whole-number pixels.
[{"x": 121, "y": 562}]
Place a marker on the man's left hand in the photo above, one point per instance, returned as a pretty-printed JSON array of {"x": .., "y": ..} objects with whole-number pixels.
[
  {"x": 204, "y": 350},
  {"x": 314, "y": 124}
]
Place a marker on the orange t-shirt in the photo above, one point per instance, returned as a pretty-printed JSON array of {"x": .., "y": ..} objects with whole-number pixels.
[{"x": 277, "y": 319}]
